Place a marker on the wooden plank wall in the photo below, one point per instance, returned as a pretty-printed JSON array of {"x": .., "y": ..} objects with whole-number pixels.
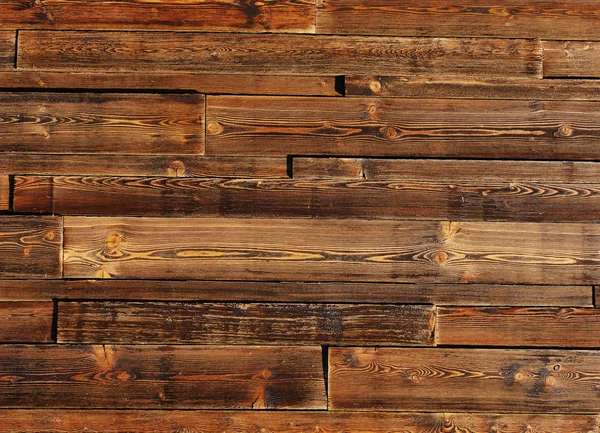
[{"x": 299, "y": 216}]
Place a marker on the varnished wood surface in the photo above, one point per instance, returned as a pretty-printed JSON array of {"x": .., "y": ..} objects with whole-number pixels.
[
  {"x": 507, "y": 380},
  {"x": 571, "y": 59},
  {"x": 8, "y": 42},
  {"x": 212, "y": 377},
  {"x": 4, "y": 193},
  {"x": 26, "y": 322}
]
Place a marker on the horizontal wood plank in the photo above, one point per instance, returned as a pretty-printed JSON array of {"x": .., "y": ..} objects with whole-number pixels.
[
  {"x": 260, "y": 291},
  {"x": 275, "y": 54},
  {"x": 26, "y": 322},
  {"x": 551, "y": 19},
  {"x": 539, "y": 327},
  {"x": 4, "y": 192},
  {"x": 571, "y": 59},
  {"x": 8, "y": 41},
  {"x": 238, "y": 125},
  {"x": 331, "y": 250},
  {"x": 30, "y": 247},
  {"x": 101, "y": 123},
  {"x": 117, "y": 421},
  {"x": 243, "y": 323},
  {"x": 215, "y": 377},
  {"x": 464, "y": 380},
  {"x": 198, "y": 15}
]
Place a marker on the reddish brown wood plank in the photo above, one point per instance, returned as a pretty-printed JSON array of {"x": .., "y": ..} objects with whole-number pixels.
[
  {"x": 8, "y": 41},
  {"x": 30, "y": 247},
  {"x": 4, "y": 192},
  {"x": 551, "y": 19},
  {"x": 101, "y": 123},
  {"x": 26, "y": 322},
  {"x": 199, "y": 15},
  {"x": 571, "y": 59},
  {"x": 540, "y": 327},
  {"x": 464, "y": 380},
  {"x": 275, "y": 54},
  {"x": 194, "y": 377},
  {"x": 238, "y": 125},
  {"x": 117, "y": 421}
]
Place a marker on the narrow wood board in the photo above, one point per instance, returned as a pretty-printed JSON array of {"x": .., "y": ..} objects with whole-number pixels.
[
  {"x": 535, "y": 327},
  {"x": 331, "y": 250},
  {"x": 464, "y": 380},
  {"x": 238, "y": 125},
  {"x": 199, "y": 15},
  {"x": 30, "y": 247},
  {"x": 261, "y": 291},
  {"x": 4, "y": 193},
  {"x": 117, "y": 421},
  {"x": 8, "y": 45},
  {"x": 185, "y": 377},
  {"x": 551, "y": 19},
  {"x": 101, "y": 123},
  {"x": 571, "y": 59},
  {"x": 26, "y": 322},
  {"x": 275, "y": 54}
]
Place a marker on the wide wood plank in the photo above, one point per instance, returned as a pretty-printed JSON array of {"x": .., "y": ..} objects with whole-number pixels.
[
  {"x": 571, "y": 59},
  {"x": 464, "y": 379},
  {"x": 117, "y": 421},
  {"x": 30, "y": 247},
  {"x": 4, "y": 192},
  {"x": 212, "y": 377},
  {"x": 551, "y": 19},
  {"x": 243, "y": 323},
  {"x": 198, "y": 15},
  {"x": 262, "y": 291},
  {"x": 8, "y": 41},
  {"x": 101, "y": 123},
  {"x": 275, "y": 54},
  {"x": 238, "y": 125},
  {"x": 549, "y": 327},
  {"x": 26, "y": 322},
  {"x": 331, "y": 250}
]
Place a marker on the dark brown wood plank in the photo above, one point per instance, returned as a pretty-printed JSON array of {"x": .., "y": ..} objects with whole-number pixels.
[
  {"x": 243, "y": 323},
  {"x": 8, "y": 41},
  {"x": 238, "y": 125},
  {"x": 4, "y": 192},
  {"x": 198, "y": 15},
  {"x": 117, "y": 421},
  {"x": 30, "y": 247},
  {"x": 211, "y": 377},
  {"x": 571, "y": 59},
  {"x": 551, "y": 19},
  {"x": 464, "y": 379},
  {"x": 26, "y": 322},
  {"x": 331, "y": 250},
  {"x": 101, "y": 123},
  {"x": 539, "y": 327},
  {"x": 275, "y": 54},
  {"x": 261, "y": 291}
]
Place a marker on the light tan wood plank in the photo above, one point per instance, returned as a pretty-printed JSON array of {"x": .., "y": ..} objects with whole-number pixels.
[
  {"x": 4, "y": 193},
  {"x": 564, "y": 59}
]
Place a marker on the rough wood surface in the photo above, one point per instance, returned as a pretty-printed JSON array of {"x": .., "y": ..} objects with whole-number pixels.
[
  {"x": 260, "y": 291},
  {"x": 30, "y": 247},
  {"x": 571, "y": 59},
  {"x": 243, "y": 323},
  {"x": 198, "y": 15},
  {"x": 4, "y": 192},
  {"x": 549, "y": 327},
  {"x": 26, "y": 322},
  {"x": 238, "y": 125},
  {"x": 275, "y": 54},
  {"x": 550, "y": 19},
  {"x": 464, "y": 380},
  {"x": 8, "y": 42},
  {"x": 207, "y": 421},
  {"x": 101, "y": 123},
  {"x": 194, "y": 377}
]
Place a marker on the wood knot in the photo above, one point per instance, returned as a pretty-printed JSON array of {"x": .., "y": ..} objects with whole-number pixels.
[
  {"x": 214, "y": 128},
  {"x": 267, "y": 373},
  {"x": 440, "y": 257},
  {"x": 390, "y": 132},
  {"x": 112, "y": 243},
  {"x": 176, "y": 168},
  {"x": 564, "y": 131},
  {"x": 125, "y": 376},
  {"x": 50, "y": 236},
  {"x": 375, "y": 86}
]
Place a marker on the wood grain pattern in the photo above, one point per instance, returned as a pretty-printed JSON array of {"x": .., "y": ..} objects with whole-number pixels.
[
  {"x": 549, "y": 327},
  {"x": 464, "y": 380},
  {"x": 8, "y": 41},
  {"x": 4, "y": 193},
  {"x": 198, "y": 15},
  {"x": 215, "y": 377},
  {"x": 30, "y": 247},
  {"x": 101, "y": 123},
  {"x": 275, "y": 54},
  {"x": 331, "y": 250},
  {"x": 26, "y": 322},
  {"x": 238, "y": 125},
  {"x": 571, "y": 59},
  {"x": 262, "y": 291},
  {"x": 551, "y": 19},
  {"x": 243, "y": 323},
  {"x": 172, "y": 421}
]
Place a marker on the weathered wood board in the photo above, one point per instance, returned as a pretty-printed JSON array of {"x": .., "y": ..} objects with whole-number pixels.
[
  {"x": 26, "y": 322},
  {"x": 564, "y": 59}
]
